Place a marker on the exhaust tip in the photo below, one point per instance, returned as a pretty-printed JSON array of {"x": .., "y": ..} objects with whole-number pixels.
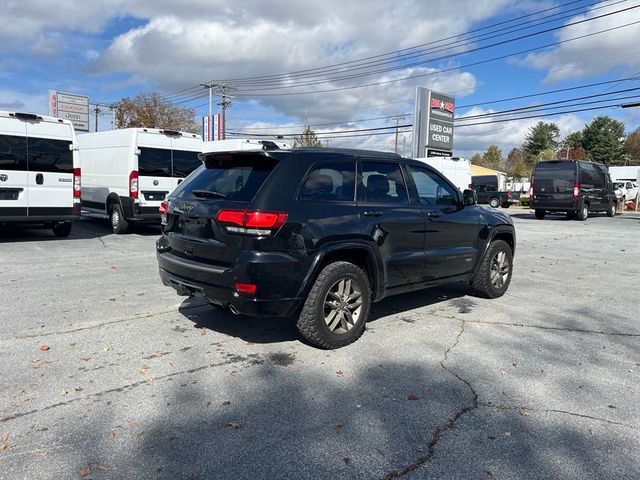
[{"x": 234, "y": 310}]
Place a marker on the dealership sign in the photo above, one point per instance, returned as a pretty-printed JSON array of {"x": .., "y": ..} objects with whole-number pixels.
[
  {"x": 70, "y": 107},
  {"x": 433, "y": 124}
]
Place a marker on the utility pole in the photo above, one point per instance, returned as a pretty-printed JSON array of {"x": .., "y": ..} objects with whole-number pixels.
[
  {"x": 97, "y": 110},
  {"x": 397, "y": 119}
]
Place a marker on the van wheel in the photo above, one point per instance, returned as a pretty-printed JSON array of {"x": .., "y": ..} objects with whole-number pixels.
[
  {"x": 337, "y": 307},
  {"x": 118, "y": 223},
  {"x": 494, "y": 275},
  {"x": 62, "y": 229},
  {"x": 612, "y": 210},
  {"x": 494, "y": 202},
  {"x": 540, "y": 214},
  {"x": 583, "y": 213}
]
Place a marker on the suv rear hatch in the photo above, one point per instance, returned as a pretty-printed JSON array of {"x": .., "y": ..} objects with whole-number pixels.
[
  {"x": 207, "y": 216},
  {"x": 553, "y": 184}
]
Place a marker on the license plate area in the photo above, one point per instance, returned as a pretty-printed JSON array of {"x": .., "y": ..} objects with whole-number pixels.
[
  {"x": 10, "y": 193},
  {"x": 153, "y": 196},
  {"x": 194, "y": 227}
]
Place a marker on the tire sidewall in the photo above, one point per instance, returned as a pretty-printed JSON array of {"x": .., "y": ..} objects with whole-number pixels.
[
  {"x": 583, "y": 214},
  {"x": 494, "y": 202},
  {"x": 497, "y": 247}
]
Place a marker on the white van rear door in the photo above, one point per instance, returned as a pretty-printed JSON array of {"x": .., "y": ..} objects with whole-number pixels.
[
  {"x": 154, "y": 169},
  {"x": 50, "y": 178},
  {"x": 184, "y": 161},
  {"x": 14, "y": 193}
]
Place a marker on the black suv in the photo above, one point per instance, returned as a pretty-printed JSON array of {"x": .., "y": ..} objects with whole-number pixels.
[
  {"x": 320, "y": 234},
  {"x": 575, "y": 187}
]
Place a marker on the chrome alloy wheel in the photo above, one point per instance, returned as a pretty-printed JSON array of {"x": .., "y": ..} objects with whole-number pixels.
[
  {"x": 342, "y": 306},
  {"x": 500, "y": 269},
  {"x": 115, "y": 218}
]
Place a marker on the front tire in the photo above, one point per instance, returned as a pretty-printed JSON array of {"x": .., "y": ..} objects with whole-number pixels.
[
  {"x": 62, "y": 229},
  {"x": 337, "y": 307},
  {"x": 540, "y": 214},
  {"x": 119, "y": 224},
  {"x": 583, "y": 213},
  {"x": 494, "y": 275},
  {"x": 494, "y": 202},
  {"x": 612, "y": 210}
]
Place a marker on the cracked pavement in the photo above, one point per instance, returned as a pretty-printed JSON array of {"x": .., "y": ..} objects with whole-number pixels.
[{"x": 139, "y": 383}]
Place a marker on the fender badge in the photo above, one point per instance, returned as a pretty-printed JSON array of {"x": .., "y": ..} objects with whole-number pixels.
[
  {"x": 4, "y": 177},
  {"x": 155, "y": 183}
]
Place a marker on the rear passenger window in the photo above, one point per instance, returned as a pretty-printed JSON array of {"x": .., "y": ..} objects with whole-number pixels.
[
  {"x": 382, "y": 183},
  {"x": 330, "y": 181},
  {"x": 13, "y": 152},
  {"x": 46, "y": 155}
]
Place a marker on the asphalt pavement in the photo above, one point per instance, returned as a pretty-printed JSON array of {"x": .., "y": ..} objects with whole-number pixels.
[{"x": 106, "y": 373}]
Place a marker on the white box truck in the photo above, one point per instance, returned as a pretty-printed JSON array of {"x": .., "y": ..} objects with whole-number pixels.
[
  {"x": 39, "y": 172},
  {"x": 127, "y": 173},
  {"x": 456, "y": 169}
]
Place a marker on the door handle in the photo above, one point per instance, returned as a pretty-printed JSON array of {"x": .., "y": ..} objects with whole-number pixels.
[
  {"x": 39, "y": 178},
  {"x": 370, "y": 213},
  {"x": 435, "y": 214}
]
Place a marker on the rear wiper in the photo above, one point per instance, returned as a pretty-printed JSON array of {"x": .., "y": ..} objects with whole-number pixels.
[{"x": 208, "y": 194}]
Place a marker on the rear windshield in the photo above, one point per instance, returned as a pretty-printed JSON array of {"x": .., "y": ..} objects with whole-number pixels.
[
  {"x": 236, "y": 176},
  {"x": 559, "y": 177},
  {"x": 184, "y": 162},
  {"x": 13, "y": 152},
  {"x": 46, "y": 155}
]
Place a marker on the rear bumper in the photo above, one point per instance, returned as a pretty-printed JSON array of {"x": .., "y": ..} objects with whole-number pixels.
[{"x": 277, "y": 276}]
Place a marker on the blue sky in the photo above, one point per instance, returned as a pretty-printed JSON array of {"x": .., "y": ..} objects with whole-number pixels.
[{"x": 114, "y": 48}]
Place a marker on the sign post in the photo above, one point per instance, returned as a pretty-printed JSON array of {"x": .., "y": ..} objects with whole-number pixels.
[
  {"x": 71, "y": 107},
  {"x": 433, "y": 124}
]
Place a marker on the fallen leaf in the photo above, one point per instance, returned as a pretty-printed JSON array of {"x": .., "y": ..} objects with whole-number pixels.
[
  {"x": 44, "y": 348},
  {"x": 338, "y": 427},
  {"x": 339, "y": 373},
  {"x": 208, "y": 404},
  {"x": 5, "y": 437},
  {"x": 140, "y": 294},
  {"x": 380, "y": 451},
  {"x": 250, "y": 343},
  {"x": 72, "y": 344},
  {"x": 503, "y": 371},
  {"x": 113, "y": 267},
  {"x": 235, "y": 425},
  {"x": 105, "y": 349},
  {"x": 130, "y": 421},
  {"x": 78, "y": 389},
  {"x": 102, "y": 466},
  {"x": 346, "y": 460},
  {"x": 43, "y": 453},
  {"x": 63, "y": 392},
  {"x": 203, "y": 332},
  {"x": 144, "y": 369},
  {"x": 112, "y": 299},
  {"x": 226, "y": 402},
  {"x": 84, "y": 471},
  {"x": 113, "y": 434},
  {"x": 507, "y": 434},
  {"x": 85, "y": 358},
  {"x": 413, "y": 397}
]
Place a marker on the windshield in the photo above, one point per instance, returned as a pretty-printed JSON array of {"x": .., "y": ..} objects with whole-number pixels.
[{"x": 554, "y": 176}]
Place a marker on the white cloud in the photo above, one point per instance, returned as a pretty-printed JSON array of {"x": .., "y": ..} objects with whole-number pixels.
[
  {"x": 594, "y": 54},
  {"x": 13, "y": 101}
]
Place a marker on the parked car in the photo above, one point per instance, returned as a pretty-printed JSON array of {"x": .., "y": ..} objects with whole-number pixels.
[
  {"x": 320, "y": 234},
  {"x": 628, "y": 190},
  {"x": 128, "y": 172},
  {"x": 39, "y": 172},
  {"x": 488, "y": 192},
  {"x": 575, "y": 187}
]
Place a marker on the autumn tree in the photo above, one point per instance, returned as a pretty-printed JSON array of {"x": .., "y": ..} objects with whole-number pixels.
[
  {"x": 492, "y": 157},
  {"x": 151, "y": 110},
  {"x": 603, "y": 140},
  {"x": 308, "y": 138},
  {"x": 541, "y": 137},
  {"x": 476, "y": 159},
  {"x": 632, "y": 147}
]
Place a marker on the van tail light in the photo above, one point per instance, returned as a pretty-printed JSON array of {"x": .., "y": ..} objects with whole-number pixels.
[
  {"x": 576, "y": 190},
  {"x": 164, "y": 209},
  {"x": 508, "y": 194},
  {"x": 251, "y": 222},
  {"x": 133, "y": 184},
  {"x": 531, "y": 195},
  {"x": 77, "y": 182}
]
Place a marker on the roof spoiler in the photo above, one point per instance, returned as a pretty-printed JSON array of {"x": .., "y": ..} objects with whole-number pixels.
[{"x": 26, "y": 116}]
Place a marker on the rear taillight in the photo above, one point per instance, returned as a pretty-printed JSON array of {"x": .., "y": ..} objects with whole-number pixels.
[
  {"x": 77, "y": 182},
  {"x": 531, "y": 192},
  {"x": 576, "y": 190},
  {"x": 133, "y": 184},
  {"x": 508, "y": 194},
  {"x": 164, "y": 209},
  {"x": 251, "y": 222},
  {"x": 250, "y": 288}
]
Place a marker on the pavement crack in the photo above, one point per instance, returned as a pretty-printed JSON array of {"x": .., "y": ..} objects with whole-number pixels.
[
  {"x": 451, "y": 423},
  {"x": 562, "y": 329},
  {"x": 553, "y": 410},
  {"x": 109, "y": 247}
]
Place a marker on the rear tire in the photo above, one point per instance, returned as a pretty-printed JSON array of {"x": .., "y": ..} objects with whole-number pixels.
[
  {"x": 583, "y": 213},
  {"x": 344, "y": 286},
  {"x": 494, "y": 275},
  {"x": 119, "y": 224},
  {"x": 494, "y": 202},
  {"x": 62, "y": 229},
  {"x": 612, "y": 210},
  {"x": 540, "y": 214}
]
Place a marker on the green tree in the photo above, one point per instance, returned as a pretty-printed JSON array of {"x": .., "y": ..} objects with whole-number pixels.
[
  {"x": 308, "y": 138},
  {"x": 632, "y": 147},
  {"x": 520, "y": 170},
  {"x": 603, "y": 140},
  {"x": 542, "y": 136},
  {"x": 573, "y": 140},
  {"x": 151, "y": 110},
  {"x": 476, "y": 159},
  {"x": 492, "y": 157}
]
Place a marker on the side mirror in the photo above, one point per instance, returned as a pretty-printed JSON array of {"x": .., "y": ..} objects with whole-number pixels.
[{"x": 469, "y": 197}]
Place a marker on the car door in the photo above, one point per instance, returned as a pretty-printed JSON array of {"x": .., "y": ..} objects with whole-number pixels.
[
  {"x": 14, "y": 193},
  {"x": 387, "y": 217},
  {"x": 453, "y": 230},
  {"x": 50, "y": 177}
]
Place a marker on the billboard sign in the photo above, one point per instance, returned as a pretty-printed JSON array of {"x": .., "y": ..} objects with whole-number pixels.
[
  {"x": 70, "y": 107},
  {"x": 433, "y": 124},
  {"x": 211, "y": 128}
]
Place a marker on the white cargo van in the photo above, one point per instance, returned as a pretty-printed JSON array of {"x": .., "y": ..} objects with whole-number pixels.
[
  {"x": 456, "y": 169},
  {"x": 240, "y": 144},
  {"x": 39, "y": 172},
  {"x": 127, "y": 173}
]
